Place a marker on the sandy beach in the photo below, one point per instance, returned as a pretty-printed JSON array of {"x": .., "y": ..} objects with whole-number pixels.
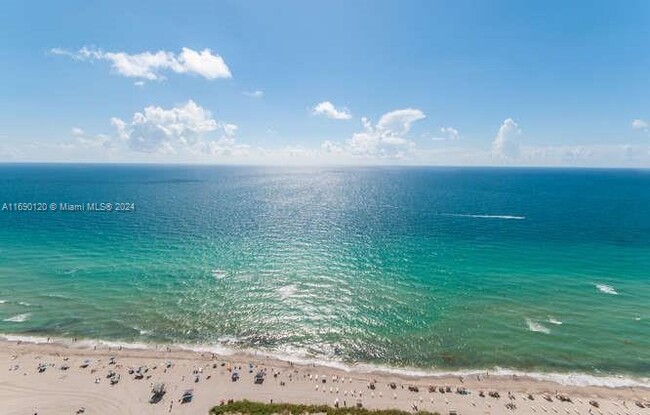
[{"x": 53, "y": 378}]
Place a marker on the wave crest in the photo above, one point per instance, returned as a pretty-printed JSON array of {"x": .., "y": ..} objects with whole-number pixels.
[
  {"x": 568, "y": 379},
  {"x": 607, "y": 289},
  {"x": 537, "y": 327},
  {"x": 19, "y": 318},
  {"x": 287, "y": 291}
]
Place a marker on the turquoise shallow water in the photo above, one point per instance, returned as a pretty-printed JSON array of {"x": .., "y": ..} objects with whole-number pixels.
[{"x": 408, "y": 267}]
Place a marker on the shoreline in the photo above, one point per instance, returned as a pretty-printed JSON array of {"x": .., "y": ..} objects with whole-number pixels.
[
  {"x": 55, "y": 391},
  {"x": 579, "y": 379}
]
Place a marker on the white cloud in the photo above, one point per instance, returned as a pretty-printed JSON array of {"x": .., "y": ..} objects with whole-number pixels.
[
  {"x": 166, "y": 131},
  {"x": 328, "y": 109},
  {"x": 64, "y": 52},
  {"x": 399, "y": 121},
  {"x": 506, "y": 144},
  {"x": 203, "y": 63},
  {"x": 254, "y": 94},
  {"x": 150, "y": 65},
  {"x": 120, "y": 128},
  {"x": 227, "y": 146},
  {"x": 639, "y": 124},
  {"x": 189, "y": 133},
  {"x": 386, "y": 139},
  {"x": 448, "y": 134},
  {"x": 7, "y": 153},
  {"x": 230, "y": 129},
  {"x": 588, "y": 155},
  {"x": 330, "y": 147},
  {"x": 82, "y": 140}
]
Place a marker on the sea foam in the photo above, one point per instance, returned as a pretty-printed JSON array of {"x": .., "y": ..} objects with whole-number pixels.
[
  {"x": 142, "y": 332},
  {"x": 537, "y": 327},
  {"x": 607, "y": 289},
  {"x": 287, "y": 291},
  {"x": 25, "y": 339},
  {"x": 218, "y": 273},
  {"x": 18, "y": 318},
  {"x": 569, "y": 379}
]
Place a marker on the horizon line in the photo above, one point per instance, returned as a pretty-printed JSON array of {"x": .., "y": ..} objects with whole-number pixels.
[{"x": 442, "y": 166}]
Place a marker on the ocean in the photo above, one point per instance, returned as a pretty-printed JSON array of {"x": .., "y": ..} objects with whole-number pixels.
[{"x": 431, "y": 269}]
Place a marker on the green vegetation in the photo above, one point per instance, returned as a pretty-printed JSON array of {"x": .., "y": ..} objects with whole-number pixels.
[{"x": 257, "y": 408}]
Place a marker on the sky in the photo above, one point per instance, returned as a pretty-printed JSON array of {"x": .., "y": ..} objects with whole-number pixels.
[{"x": 463, "y": 83}]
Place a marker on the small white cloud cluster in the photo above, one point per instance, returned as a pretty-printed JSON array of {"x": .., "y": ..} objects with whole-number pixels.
[
  {"x": 254, "y": 94},
  {"x": 150, "y": 65},
  {"x": 7, "y": 153},
  {"x": 85, "y": 141},
  {"x": 386, "y": 139},
  {"x": 188, "y": 127},
  {"x": 328, "y": 109},
  {"x": 639, "y": 124},
  {"x": 448, "y": 134},
  {"x": 506, "y": 144}
]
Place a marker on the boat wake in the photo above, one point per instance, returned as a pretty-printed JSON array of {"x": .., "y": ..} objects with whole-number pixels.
[{"x": 464, "y": 215}]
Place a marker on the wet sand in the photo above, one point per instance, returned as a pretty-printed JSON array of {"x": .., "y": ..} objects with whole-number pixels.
[{"x": 25, "y": 390}]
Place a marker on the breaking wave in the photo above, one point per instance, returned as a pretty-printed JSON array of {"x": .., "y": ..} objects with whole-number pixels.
[
  {"x": 18, "y": 318},
  {"x": 537, "y": 327},
  {"x": 607, "y": 289},
  {"x": 568, "y": 379},
  {"x": 287, "y": 291},
  {"x": 218, "y": 273}
]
